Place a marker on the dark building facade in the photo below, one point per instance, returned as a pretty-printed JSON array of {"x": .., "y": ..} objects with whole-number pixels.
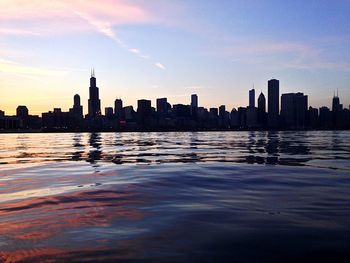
[
  {"x": 294, "y": 110},
  {"x": 262, "y": 116},
  {"x": 273, "y": 103},
  {"x": 118, "y": 109},
  {"x": 94, "y": 103},
  {"x": 252, "y": 98}
]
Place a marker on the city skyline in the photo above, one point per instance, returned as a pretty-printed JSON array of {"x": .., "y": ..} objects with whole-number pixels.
[
  {"x": 251, "y": 100},
  {"x": 284, "y": 111},
  {"x": 176, "y": 48}
]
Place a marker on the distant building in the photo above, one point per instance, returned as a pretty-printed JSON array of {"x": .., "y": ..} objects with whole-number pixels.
[
  {"x": 162, "y": 106},
  {"x": 109, "y": 112},
  {"x": 129, "y": 113},
  {"x": 56, "y": 119},
  {"x": 118, "y": 109},
  {"x": 94, "y": 102},
  {"x": 252, "y": 117},
  {"x": 144, "y": 114},
  {"x": 336, "y": 106},
  {"x": 294, "y": 110},
  {"x": 242, "y": 117},
  {"x": 273, "y": 103},
  {"x": 76, "y": 114},
  {"x": 325, "y": 119},
  {"x": 22, "y": 114},
  {"x": 337, "y": 113},
  {"x": 194, "y": 101},
  {"x": 194, "y": 106},
  {"x": 77, "y": 110},
  {"x": 234, "y": 120},
  {"x": 252, "y": 98},
  {"x": 312, "y": 119},
  {"x": 262, "y": 116}
]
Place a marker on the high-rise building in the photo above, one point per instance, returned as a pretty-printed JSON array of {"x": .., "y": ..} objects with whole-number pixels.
[
  {"x": 325, "y": 119},
  {"x": 335, "y": 103},
  {"x": 22, "y": 114},
  {"x": 162, "y": 106},
  {"x": 194, "y": 101},
  {"x": 313, "y": 118},
  {"x": 94, "y": 100},
  {"x": 301, "y": 105},
  {"x": 109, "y": 112},
  {"x": 252, "y": 98},
  {"x": 294, "y": 110},
  {"x": 273, "y": 103},
  {"x": 118, "y": 109},
  {"x": 144, "y": 113},
  {"x": 262, "y": 117},
  {"x": 337, "y": 112},
  {"x": 77, "y": 107}
]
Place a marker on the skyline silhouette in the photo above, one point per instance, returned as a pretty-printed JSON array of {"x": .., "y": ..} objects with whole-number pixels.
[{"x": 288, "y": 111}]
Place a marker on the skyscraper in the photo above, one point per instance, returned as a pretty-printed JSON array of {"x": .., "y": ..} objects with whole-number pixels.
[
  {"x": 262, "y": 103},
  {"x": 77, "y": 108},
  {"x": 118, "y": 109},
  {"x": 252, "y": 98},
  {"x": 94, "y": 100},
  {"x": 262, "y": 110},
  {"x": 336, "y": 106},
  {"x": 273, "y": 103},
  {"x": 162, "y": 106},
  {"x": 294, "y": 110},
  {"x": 194, "y": 101},
  {"x": 144, "y": 113}
]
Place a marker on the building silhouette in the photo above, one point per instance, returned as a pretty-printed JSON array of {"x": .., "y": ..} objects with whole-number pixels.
[
  {"x": 262, "y": 116},
  {"x": 162, "y": 106},
  {"x": 194, "y": 101},
  {"x": 294, "y": 114},
  {"x": 118, "y": 109},
  {"x": 94, "y": 103},
  {"x": 294, "y": 110},
  {"x": 252, "y": 98},
  {"x": 273, "y": 103},
  {"x": 22, "y": 114}
]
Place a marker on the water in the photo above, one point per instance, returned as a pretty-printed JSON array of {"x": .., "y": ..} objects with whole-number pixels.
[{"x": 175, "y": 197}]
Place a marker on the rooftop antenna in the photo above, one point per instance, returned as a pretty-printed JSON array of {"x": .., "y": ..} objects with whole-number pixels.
[
  {"x": 337, "y": 93},
  {"x": 92, "y": 72}
]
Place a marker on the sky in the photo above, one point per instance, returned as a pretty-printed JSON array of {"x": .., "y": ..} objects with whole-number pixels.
[{"x": 148, "y": 49}]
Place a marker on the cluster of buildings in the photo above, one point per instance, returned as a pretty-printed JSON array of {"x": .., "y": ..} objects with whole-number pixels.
[{"x": 289, "y": 111}]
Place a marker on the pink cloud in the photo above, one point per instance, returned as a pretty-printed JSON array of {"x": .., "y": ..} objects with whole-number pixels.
[
  {"x": 41, "y": 18},
  {"x": 54, "y": 16}
]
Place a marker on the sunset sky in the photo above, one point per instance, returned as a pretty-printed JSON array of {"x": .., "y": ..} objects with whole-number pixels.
[{"x": 171, "y": 48}]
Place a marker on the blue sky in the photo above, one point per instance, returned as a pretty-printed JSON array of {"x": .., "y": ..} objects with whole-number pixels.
[{"x": 163, "y": 48}]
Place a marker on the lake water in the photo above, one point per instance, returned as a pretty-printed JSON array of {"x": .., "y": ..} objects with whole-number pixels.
[{"x": 175, "y": 197}]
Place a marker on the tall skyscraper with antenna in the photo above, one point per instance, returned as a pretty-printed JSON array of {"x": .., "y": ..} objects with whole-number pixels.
[{"x": 94, "y": 100}]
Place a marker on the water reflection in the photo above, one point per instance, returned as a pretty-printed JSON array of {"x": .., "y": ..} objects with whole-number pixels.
[
  {"x": 95, "y": 144},
  {"x": 255, "y": 147}
]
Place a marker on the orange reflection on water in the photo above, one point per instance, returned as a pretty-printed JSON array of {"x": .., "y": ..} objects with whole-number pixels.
[
  {"x": 35, "y": 254},
  {"x": 39, "y": 218}
]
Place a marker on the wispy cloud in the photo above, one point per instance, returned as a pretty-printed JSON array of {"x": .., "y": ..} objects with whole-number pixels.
[
  {"x": 159, "y": 65},
  {"x": 71, "y": 16},
  {"x": 311, "y": 55},
  {"x": 11, "y": 67},
  {"x": 19, "y": 32}
]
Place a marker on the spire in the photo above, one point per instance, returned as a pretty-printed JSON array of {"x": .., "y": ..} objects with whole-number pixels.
[
  {"x": 92, "y": 72},
  {"x": 337, "y": 93}
]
